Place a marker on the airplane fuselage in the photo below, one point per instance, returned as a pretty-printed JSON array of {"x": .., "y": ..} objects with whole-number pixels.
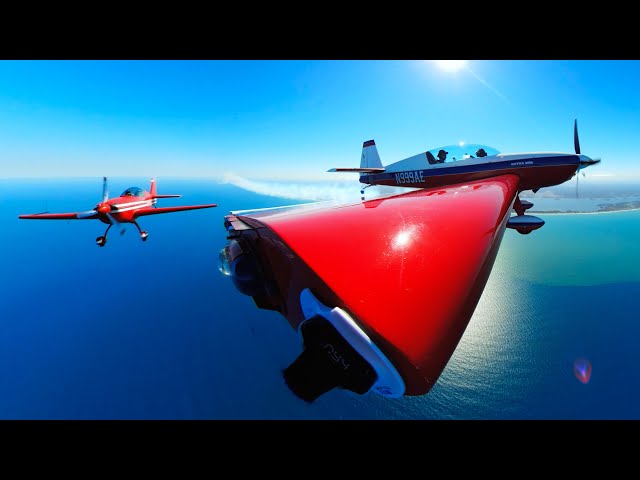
[
  {"x": 123, "y": 208},
  {"x": 535, "y": 170}
]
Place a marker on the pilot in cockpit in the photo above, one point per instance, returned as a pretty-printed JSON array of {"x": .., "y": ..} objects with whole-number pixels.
[
  {"x": 481, "y": 153},
  {"x": 442, "y": 156}
]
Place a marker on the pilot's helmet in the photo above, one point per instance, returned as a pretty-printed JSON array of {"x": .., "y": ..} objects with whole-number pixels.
[
  {"x": 481, "y": 153},
  {"x": 442, "y": 154}
]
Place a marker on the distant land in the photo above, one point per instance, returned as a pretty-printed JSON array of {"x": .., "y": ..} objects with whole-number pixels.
[
  {"x": 602, "y": 208},
  {"x": 590, "y": 197}
]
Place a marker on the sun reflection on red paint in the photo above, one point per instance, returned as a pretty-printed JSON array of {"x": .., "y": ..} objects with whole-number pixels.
[{"x": 582, "y": 369}]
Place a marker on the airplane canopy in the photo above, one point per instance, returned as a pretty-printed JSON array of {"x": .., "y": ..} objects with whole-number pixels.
[
  {"x": 452, "y": 153},
  {"x": 133, "y": 192}
]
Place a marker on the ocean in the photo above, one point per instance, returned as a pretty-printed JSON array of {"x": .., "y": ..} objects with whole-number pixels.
[{"x": 152, "y": 330}]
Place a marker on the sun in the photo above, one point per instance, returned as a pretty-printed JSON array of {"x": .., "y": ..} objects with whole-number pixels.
[{"x": 451, "y": 65}]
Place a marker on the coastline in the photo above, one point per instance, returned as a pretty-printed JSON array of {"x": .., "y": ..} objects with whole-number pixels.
[{"x": 575, "y": 212}]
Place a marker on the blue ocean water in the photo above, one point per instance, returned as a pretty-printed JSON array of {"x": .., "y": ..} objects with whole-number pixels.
[{"x": 152, "y": 330}]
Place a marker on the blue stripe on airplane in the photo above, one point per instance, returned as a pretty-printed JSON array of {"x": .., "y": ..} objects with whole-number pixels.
[{"x": 481, "y": 167}]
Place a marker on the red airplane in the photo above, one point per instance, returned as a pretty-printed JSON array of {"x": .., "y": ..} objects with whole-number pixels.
[
  {"x": 134, "y": 202},
  {"x": 381, "y": 291}
]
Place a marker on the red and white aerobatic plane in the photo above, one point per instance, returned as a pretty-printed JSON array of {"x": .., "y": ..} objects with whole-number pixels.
[
  {"x": 381, "y": 291},
  {"x": 134, "y": 202}
]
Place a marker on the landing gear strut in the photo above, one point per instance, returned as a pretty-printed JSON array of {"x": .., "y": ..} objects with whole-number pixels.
[
  {"x": 143, "y": 234},
  {"x": 102, "y": 240}
]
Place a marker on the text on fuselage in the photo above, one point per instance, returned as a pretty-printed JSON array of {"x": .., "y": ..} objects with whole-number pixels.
[
  {"x": 410, "y": 177},
  {"x": 528, "y": 162}
]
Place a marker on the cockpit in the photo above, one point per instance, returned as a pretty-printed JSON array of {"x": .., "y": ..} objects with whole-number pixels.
[
  {"x": 133, "y": 192},
  {"x": 463, "y": 151}
]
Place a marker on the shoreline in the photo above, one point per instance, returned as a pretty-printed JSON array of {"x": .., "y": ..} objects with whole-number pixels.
[{"x": 597, "y": 212}]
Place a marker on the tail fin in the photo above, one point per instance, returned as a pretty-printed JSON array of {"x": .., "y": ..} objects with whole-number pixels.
[
  {"x": 154, "y": 194},
  {"x": 369, "y": 162},
  {"x": 370, "y": 157}
]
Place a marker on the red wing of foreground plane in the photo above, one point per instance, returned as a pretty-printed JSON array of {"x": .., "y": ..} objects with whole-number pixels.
[
  {"x": 134, "y": 202},
  {"x": 380, "y": 291}
]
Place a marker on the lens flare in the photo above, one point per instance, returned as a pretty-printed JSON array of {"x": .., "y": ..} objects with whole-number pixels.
[
  {"x": 223, "y": 262},
  {"x": 451, "y": 65},
  {"x": 582, "y": 370}
]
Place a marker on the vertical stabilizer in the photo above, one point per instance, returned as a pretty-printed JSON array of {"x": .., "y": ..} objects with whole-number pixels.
[
  {"x": 152, "y": 189},
  {"x": 370, "y": 157},
  {"x": 154, "y": 193}
]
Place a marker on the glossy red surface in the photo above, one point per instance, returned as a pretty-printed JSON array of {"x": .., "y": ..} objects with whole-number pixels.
[
  {"x": 154, "y": 211},
  {"x": 49, "y": 216},
  {"x": 409, "y": 268},
  {"x": 104, "y": 208}
]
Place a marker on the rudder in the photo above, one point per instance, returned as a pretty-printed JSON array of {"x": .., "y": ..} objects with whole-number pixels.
[{"x": 370, "y": 157}]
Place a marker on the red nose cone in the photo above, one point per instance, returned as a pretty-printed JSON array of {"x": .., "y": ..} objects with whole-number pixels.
[{"x": 104, "y": 208}]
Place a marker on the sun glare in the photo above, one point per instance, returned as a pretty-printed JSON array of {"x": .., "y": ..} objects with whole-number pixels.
[{"x": 451, "y": 65}]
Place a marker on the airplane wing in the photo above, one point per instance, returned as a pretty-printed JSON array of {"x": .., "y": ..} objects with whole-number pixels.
[
  {"x": 89, "y": 215},
  {"x": 155, "y": 211},
  {"x": 380, "y": 291}
]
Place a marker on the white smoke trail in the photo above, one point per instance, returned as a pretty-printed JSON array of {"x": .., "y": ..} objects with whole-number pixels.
[{"x": 343, "y": 192}]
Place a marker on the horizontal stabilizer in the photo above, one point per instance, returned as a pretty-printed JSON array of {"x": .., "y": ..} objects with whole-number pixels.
[{"x": 357, "y": 170}]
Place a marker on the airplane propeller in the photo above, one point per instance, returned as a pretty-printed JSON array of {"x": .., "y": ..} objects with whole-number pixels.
[
  {"x": 578, "y": 182},
  {"x": 584, "y": 163},
  {"x": 116, "y": 224},
  {"x": 103, "y": 208},
  {"x": 105, "y": 190}
]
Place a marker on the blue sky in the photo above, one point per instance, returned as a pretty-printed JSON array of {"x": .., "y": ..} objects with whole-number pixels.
[{"x": 296, "y": 119}]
